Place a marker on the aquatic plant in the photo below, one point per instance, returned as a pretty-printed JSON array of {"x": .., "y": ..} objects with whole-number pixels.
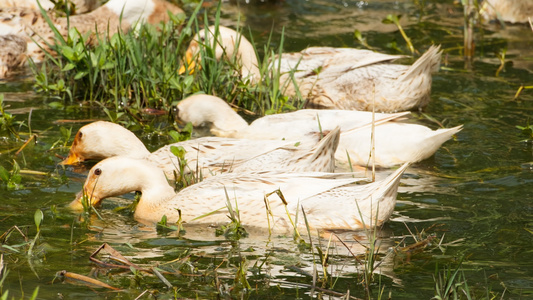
[
  {"x": 6, "y": 120},
  {"x": 12, "y": 179},
  {"x": 182, "y": 177},
  {"x": 451, "y": 283},
  {"x": 526, "y": 131},
  {"x": 395, "y": 19},
  {"x": 234, "y": 229},
  {"x": 27, "y": 247}
]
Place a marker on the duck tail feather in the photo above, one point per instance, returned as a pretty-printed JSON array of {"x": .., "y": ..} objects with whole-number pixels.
[
  {"x": 429, "y": 62},
  {"x": 322, "y": 158}
]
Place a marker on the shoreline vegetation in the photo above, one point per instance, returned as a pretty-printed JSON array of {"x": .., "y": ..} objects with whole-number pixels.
[{"x": 119, "y": 75}]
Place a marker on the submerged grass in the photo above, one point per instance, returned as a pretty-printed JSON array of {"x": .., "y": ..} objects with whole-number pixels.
[
  {"x": 7, "y": 123},
  {"x": 27, "y": 248}
]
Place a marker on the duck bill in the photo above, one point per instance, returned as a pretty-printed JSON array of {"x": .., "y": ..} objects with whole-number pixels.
[
  {"x": 189, "y": 65},
  {"x": 83, "y": 200},
  {"x": 72, "y": 159}
]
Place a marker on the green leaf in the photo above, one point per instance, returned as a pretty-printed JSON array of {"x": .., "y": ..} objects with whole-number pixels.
[
  {"x": 16, "y": 178},
  {"x": 56, "y": 104},
  {"x": 188, "y": 81},
  {"x": 178, "y": 151},
  {"x": 80, "y": 75},
  {"x": 95, "y": 60},
  {"x": 16, "y": 168},
  {"x": 61, "y": 84},
  {"x": 65, "y": 133},
  {"x": 357, "y": 35},
  {"x": 163, "y": 221},
  {"x": 68, "y": 52},
  {"x": 68, "y": 67},
  {"x": 4, "y": 174},
  {"x": 108, "y": 65},
  {"x": 35, "y": 293},
  {"x": 38, "y": 218},
  {"x": 391, "y": 19},
  {"x": 10, "y": 248}
]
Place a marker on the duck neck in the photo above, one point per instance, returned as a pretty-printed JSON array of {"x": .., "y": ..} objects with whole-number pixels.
[
  {"x": 228, "y": 124},
  {"x": 249, "y": 61},
  {"x": 224, "y": 120},
  {"x": 158, "y": 193},
  {"x": 153, "y": 193}
]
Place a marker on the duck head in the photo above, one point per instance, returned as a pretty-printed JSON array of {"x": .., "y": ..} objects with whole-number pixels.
[
  {"x": 120, "y": 175},
  {"x": 228, "y": 44},
  {"x": 211, "y": 111},
  {"x": 100, "y": 140}
]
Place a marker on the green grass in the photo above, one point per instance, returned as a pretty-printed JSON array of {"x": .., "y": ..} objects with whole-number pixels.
[{"x": 128, "y": 72}]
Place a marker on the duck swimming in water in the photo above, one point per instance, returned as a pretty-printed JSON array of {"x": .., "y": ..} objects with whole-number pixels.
[
  {"x": 333, "y": 78},
  {"x": 207, "y": 155},
  {"x": 330, "y": 201},
  {"x": 395, "y": 142}
]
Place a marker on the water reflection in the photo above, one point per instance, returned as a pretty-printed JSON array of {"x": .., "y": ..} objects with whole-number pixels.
[{"x": 274, "y": 253}]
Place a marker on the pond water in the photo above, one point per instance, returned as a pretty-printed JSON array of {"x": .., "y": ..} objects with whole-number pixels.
[{"x": 473, "y": 199}]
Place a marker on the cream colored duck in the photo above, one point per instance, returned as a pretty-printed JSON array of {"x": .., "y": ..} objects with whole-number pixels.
[
  {"x": 348, "y": 78},
  {"x": 328, "y": 201},
  {"x": 30, "y": 26},
  {"x": 208, "y": 155},
  {"x": 81, "y": 6},
  {"x": 512, "y": 11},
  {"x": 395, "y": 142}
]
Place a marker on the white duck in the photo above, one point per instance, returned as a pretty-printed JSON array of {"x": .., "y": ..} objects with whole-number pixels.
[
  {"x": 328, "y": 201},
  {"x": 347, "y": 78},
  {"x": 512, "y": 11},
  {"x": 81, "y": 6},
  {"x": 30, "y": 26},
  {"x": 208, "y": 155},
  {"x": 395, "y": 142}
]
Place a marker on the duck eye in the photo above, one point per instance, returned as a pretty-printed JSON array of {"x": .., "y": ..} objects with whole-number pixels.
[
  {"x": 97, "y": 172},
  {"x": 80, "y": 134}
]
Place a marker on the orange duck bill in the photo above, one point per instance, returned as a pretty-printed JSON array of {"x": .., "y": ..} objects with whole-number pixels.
[{"x": 74, "y": 156}]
